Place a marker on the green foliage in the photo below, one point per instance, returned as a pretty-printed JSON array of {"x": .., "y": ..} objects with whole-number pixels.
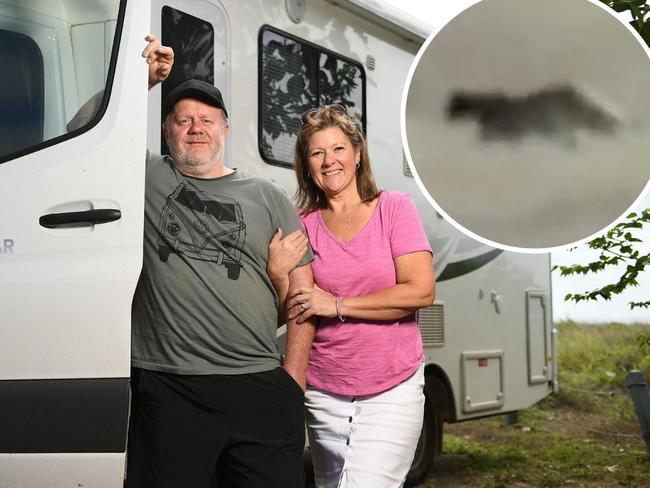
[
  {"x": 644, "y": 342},
  {"x": 616, "y": 248}
]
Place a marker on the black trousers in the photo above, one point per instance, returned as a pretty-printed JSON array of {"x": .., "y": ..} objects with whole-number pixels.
[{"x": 230, "y": 431}]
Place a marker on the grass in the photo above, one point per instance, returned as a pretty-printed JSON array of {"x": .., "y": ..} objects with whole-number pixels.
[
  {"x": 586, "y": 435},
  {"x": 593, "y": 361}
]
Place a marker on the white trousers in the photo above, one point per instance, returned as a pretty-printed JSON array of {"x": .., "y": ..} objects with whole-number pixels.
[{"x": 367, "y": 441}]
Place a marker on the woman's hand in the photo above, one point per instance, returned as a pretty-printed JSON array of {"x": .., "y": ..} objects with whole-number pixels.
[
  {"x": 305, "y": 302},
  {"x": 285, "y": 254},
  {"x": 159, "y": 58}
]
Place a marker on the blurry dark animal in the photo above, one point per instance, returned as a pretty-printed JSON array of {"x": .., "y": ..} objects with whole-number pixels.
[{"x": 555, "y": 112}]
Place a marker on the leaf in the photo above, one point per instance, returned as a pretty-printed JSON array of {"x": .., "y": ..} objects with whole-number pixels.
[
  {"x": 620, "y": 6},
  {"x": 636, "y": 14},
  {"x": 645, "y": 31}
]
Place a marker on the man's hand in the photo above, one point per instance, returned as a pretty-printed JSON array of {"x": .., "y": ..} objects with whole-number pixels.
[{"x": 159, "y": 58}]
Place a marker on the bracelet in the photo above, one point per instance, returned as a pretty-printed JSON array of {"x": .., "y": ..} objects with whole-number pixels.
[{"x": 338, "y": 310}]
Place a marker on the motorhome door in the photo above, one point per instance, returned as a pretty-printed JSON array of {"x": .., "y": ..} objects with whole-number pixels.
[{"x": 72, "y": 152}]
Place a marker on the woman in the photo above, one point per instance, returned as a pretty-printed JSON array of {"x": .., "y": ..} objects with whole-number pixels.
[{"x": 373, "y": 270}]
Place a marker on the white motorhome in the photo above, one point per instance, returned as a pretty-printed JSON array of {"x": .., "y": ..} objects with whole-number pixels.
[{"x": 71, "y": 209}]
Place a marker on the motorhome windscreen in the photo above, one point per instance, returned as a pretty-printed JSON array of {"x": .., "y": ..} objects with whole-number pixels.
[
  {"x": 295, "y": 75},
  {"x": 57, "y": 58},
  {"x": 193, "y": 42}
]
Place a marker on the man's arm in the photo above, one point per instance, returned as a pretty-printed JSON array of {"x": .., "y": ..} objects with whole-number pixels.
[
  {"x": 285, "y": 254},
  {"x": 159, "y": 58},
  {"x": 299, "y": 336}
]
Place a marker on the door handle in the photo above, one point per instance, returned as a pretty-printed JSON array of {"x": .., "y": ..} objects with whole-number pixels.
[{"x": 86, "y": 217}]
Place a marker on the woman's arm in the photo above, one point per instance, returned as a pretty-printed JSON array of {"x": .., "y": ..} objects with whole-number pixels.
[{"x": 415, "y": 289}]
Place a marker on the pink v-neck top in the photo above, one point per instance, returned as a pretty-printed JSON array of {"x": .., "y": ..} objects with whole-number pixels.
[{"x": 362, "y": 357}]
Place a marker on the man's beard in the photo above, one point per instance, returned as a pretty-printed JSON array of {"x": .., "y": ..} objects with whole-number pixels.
[{"x": 185, "y": 158}]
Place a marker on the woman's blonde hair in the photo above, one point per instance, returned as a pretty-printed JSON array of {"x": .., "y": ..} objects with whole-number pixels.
[{"x": 308, "y": 196}]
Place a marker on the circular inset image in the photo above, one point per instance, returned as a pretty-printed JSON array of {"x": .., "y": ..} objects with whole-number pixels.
[{"x": 527, "y": 122}]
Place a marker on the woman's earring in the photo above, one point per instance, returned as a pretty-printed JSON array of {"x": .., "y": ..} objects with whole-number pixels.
[
  {"x": 358, "y": 164},
  {"x": 309, "y": 175}
]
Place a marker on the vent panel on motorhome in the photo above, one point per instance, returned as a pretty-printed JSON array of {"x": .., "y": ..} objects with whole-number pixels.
[{"x": 432, "y": 325}]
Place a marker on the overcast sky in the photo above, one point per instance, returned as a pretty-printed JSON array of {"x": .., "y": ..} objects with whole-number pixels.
[{"x": 437, "y": 14}]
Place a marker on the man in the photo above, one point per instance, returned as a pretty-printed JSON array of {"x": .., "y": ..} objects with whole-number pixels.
[{"x": 211, "y": 403}]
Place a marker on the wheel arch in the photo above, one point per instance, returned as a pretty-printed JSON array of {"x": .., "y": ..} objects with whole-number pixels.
[{"x": 440, "y": 391}]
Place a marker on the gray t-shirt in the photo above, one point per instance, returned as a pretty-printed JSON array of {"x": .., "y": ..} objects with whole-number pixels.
[{"x": 204, "y": 303}]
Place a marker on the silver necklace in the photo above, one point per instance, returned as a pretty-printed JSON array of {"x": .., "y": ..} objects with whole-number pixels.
[{"x": 348, "y": 221}]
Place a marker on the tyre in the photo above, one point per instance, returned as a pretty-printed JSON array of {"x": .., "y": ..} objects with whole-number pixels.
[{"x": 428, "y": 444}]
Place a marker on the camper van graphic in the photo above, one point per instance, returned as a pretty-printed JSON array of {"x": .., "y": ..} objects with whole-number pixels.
[{"x": 202, "y": 226}]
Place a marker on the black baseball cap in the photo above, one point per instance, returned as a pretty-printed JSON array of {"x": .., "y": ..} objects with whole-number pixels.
[{"x": 198, "y": 90}]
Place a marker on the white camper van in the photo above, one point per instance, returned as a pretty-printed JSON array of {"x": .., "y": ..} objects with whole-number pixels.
[{"x": 71, "y": 209}]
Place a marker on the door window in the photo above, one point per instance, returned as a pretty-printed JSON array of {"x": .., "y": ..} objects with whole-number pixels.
[{"x": 192, "y": 40}]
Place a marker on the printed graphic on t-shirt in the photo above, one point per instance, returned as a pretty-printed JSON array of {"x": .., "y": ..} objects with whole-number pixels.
[{"x": 201, "y": 225}]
